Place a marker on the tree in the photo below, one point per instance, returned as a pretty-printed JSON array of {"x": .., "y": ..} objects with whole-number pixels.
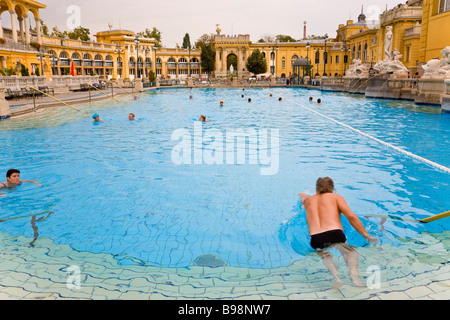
[
  {"x": 186, "y": 41},
  {"x": 284, "y": 38},
  {"x": 80, "y": 33},
  {"x": 155, "y": 34},
  {"x": 204, "y": 39},
  {"x": 208, "y": 58},
  {"x": 256, "y": 63}
]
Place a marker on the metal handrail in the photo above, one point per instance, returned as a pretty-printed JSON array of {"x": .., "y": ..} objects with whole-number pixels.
[
  {"x": 90, "y": 85},
  {"x": 50, "y": 97}
]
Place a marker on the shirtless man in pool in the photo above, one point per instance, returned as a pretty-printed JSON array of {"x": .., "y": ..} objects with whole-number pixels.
[
  {"x": 323, "y": 216},
  {"x": 13, "y": 180}
]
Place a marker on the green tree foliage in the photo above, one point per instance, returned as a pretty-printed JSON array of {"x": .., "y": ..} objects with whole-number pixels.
[
  {"x": 186, "y": 41},
  {"x": 155, "y": 34},
  {"x": 285, "y": 38},
  {"x": 256, "y": 63},
  {"x": 208, "y": 58},
  {"x": 77, "y": 33},
  {"x": 80, "y": 33}
]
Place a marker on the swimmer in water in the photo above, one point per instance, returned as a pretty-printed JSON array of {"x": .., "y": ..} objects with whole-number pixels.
[
  {"x": 96, "y": 118},
  {"x": 323, "y": 216},
  {"x": 203, "y": 119},
  {"x": 221, "y": 104},
  {"x": 131, "y": 116},
  {"x": 13, "y": 180}
]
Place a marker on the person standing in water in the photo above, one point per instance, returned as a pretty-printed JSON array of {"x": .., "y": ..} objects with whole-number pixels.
[{"x": 323, "y": 216}]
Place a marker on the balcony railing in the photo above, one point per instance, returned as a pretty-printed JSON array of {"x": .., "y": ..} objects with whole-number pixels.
[
  {"x": 132, "y": 64},
  {"x": 109, "y": 64},
  {"x": 98, "y": 63},
  {"x": 172, "y": 65},
  {"x": 64, "y": 62},
  {"x": 77, "y": 63},
  {"x": 183, "y": 65},
  {"x": 87, "y": 63}
]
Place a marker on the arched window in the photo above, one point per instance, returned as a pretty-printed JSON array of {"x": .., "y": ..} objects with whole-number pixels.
[
  {"x": 359, "y": 52},
  {"x": 317, "y": 57}
]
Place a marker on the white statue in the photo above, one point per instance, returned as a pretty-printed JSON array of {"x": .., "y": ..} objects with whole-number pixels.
[
  {"x": 438, "y": 69},
  {"x": 388, "y": 43},
  {"x": 357, "y": 70},
  {"x": 393, "y": 66},
  {"x": 445, "y": 63},
  {"x": 231, "y": 69}
]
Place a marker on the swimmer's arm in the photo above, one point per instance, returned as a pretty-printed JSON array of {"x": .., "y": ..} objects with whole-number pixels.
[
  {"x": 2, "y": 195},
  {"x": 304, "y": 196},
  {"x": 31, "y": 181},
  {"x": 353, "y": 218}
]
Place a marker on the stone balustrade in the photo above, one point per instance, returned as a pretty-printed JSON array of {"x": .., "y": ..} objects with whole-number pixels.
[
  {"x": 68, "y": 83},
  {"x": 18, "y": 82}
]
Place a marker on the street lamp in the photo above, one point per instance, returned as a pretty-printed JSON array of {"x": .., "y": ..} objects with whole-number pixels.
[
  {"x": 54, "y": 60},
  {"x": 345, "y": 49},
  {"x": 119, "y": 64},
  {"x": 189, "y": 61},
  {"x": 41, "y": 58},
  {"x": 136, "y": 40},
  {"x": 156, "y": 66},
  {"x": 325, "y": 57},
  {"x": 307, "y": 58}
]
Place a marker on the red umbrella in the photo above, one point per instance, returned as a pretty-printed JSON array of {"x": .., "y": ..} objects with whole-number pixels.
[{"x": 73, "y": 70}]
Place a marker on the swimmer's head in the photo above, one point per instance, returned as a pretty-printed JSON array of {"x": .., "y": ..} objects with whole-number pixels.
[
  {"x": 324, "y": 185},
  {"x": 10, "y": 172},
  {"x": 94, "y": 116}
]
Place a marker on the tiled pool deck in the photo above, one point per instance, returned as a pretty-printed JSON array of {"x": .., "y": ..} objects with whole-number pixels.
[{"x": 40, "y": 272}]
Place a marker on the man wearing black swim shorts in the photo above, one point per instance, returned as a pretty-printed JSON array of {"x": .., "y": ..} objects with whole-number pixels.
[{"x": 323, "y": 215}]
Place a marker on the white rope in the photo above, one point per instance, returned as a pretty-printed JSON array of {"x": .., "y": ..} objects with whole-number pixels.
[{"x": 434, "y": 164}]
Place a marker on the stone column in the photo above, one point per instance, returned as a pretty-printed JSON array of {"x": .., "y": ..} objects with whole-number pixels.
[
  {"x": 38, "y": 30},
  {"x": 27, "y": 29},
  {"x": 1, "y": 27},
  {"x": 13, "y": 25},
  {"x": 21, "y": 29},
  {"x": 5, "y": 112}
]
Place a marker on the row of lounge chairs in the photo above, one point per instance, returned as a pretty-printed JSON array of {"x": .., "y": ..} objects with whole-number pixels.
[
  {"x": 27, "y": 92},
  {"x": 85, "y": 86}
]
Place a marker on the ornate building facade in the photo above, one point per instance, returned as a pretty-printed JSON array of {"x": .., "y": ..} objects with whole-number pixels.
[{"x": 418, "y": 33}]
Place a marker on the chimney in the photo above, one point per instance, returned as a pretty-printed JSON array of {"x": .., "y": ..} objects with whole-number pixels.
[{"x": 304, "y": 30}]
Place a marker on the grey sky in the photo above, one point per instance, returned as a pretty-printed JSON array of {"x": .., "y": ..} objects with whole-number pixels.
[{"x": 174, "y": 18}]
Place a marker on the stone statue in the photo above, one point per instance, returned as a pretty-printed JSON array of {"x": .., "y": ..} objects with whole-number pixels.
[
  {"x": 438, "y": 69},
  {"x": 357, "y": 70},
  {"x": 392, "y": 66},
  {"x": 445, "y": 63},
  {"x": 388, "y": 43}
]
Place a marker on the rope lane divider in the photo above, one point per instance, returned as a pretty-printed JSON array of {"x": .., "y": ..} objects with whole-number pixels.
[{"x": 434, "y": 164}]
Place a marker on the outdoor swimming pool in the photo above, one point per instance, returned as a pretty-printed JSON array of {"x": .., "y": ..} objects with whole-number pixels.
[{"x": 114, "y": 188}]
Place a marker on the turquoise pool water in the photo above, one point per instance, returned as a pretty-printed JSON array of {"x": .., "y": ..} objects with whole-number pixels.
[{"x": 114, "y": 187}]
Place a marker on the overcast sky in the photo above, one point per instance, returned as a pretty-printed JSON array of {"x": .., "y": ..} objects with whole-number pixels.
[{"x": 174, "y": 18}]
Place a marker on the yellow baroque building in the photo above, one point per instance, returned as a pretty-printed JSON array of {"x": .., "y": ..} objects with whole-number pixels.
[{"x": 418, "y": 26}]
